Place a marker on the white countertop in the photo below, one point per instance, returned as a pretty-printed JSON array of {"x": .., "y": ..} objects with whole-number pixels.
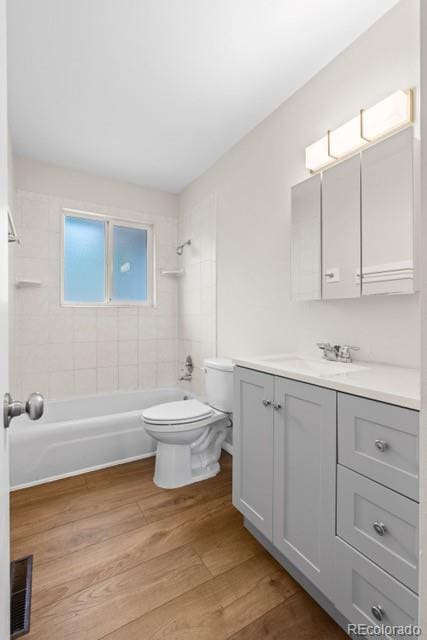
[{"x": 386, "y": 383}]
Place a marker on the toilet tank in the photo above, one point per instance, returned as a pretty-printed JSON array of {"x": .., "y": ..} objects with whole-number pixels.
[{"x": 219, "y": 383}]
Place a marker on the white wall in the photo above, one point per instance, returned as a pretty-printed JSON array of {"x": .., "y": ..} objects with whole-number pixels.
[
  {"x": 252, "y": 187},
  {"x": 197, "y": 289},
  {"x": 79, "y": 351},
  {"x": 32, "y": 175}
]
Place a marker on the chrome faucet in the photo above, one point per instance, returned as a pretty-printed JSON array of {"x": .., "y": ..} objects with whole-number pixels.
[
  {"x": 337, "y": 353},
  {"x": 188, "y": 370}
]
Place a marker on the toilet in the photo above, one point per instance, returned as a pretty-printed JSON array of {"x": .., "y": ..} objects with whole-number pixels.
[{"x": 190, "y": 433}]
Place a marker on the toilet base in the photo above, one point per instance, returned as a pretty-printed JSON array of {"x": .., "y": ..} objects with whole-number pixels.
[
  {"x": 178, "y": 464},
  {"x": 171, "y": 483}
]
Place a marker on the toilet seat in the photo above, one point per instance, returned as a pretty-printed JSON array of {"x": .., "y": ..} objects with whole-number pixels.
[{"x": 175, "y": 414}]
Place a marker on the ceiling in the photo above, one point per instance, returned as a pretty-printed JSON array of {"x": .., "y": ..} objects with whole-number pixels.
[{"x": 154, "y": 91}]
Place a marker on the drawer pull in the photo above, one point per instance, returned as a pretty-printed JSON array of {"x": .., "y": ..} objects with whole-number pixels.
[
  {"x": 380, "y": 528},
  {"x": 277, "y": 406},
  {"x": 266, "y": 403},
  {"x": 377, "y": 612},
  {"x": 381, "y": 445}
]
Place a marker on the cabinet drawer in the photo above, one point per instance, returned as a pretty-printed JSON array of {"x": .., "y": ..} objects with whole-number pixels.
[
  {"x": 379, "y": 441},
  {"x": 363, "y": 590},
  {"x": 393, "y": 541}
]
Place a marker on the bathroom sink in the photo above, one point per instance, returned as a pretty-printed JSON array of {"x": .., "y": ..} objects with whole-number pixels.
[{"x": 312, "y": 366}]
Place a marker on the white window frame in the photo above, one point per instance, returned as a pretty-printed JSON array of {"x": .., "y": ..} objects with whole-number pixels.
[{"x": 111, "y": 222}]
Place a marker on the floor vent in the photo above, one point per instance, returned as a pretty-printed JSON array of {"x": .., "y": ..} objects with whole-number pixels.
[{"x": 21, "y": 573}]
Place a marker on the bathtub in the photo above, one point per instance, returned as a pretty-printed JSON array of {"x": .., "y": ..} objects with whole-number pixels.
[{"x": 82, "y": 434}]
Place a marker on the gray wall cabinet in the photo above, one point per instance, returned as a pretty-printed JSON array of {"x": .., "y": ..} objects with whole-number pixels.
[{"x": 331, "y": 481}]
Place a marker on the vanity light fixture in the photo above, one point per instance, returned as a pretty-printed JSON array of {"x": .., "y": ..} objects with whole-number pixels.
[{"x": 385, "y": 117}]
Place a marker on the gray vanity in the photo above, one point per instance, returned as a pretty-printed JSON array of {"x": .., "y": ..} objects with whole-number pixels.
[{"x": 325, "y": 472}]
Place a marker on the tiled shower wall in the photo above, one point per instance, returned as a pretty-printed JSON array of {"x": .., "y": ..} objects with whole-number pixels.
[
  {"x": 79, "y": 351},
  {"x": 197, "y": 289}
]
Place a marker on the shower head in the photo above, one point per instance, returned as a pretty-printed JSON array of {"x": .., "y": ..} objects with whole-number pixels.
[{"x": 180, "y": 247}]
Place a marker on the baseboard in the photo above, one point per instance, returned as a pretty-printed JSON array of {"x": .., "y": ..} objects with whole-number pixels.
[
  {"x": 79, "y": 472},
  {"x": 228, "y": 447},
  {"x": 306, "y": 584}
]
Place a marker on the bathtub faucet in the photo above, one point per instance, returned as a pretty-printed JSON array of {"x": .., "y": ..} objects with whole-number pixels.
[{"x": 188, "y": 369}]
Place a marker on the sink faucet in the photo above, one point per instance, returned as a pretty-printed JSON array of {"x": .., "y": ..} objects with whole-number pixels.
[{"x": 337, "y": 353}]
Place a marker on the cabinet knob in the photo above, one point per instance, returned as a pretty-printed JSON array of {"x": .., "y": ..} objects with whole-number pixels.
[
  {"x": 266, "y": 403},
  {"x": 377, "y": 612},
  {"x": 380, "y": 528},
  {"x": 277, "y": 406},
  {"x": 381, "y": 445}
]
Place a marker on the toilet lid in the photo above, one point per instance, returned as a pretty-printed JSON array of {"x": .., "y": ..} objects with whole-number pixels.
[{"x": 177, "y": 412}]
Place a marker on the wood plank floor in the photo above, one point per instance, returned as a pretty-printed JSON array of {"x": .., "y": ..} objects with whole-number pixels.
[{"x": 117, "y": 558}]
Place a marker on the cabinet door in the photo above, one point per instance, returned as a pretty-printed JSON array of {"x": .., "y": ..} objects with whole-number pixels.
[
  {"x": 341, "y": 230},
  {"x": 306, "y": 240},
  {"x": 388, "y": 215},
  {"x": 304, "y": 478},
  {"x": 253, "y": 448}
]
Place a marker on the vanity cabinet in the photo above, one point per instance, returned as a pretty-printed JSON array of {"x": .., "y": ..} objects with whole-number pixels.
[
  {"x": 253, "y": 444},
  {"x": 388, "y": 215},
  {"x": 330, "y": 482},
  {"x": 306, "y": 240},
  {"x": 288, "y": 427},
  {"x": 304, "y": 477},
  {"x": 341, "y": 230}
]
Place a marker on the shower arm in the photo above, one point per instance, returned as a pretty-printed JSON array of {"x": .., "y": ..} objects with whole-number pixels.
[{"x": 180, "y": 247}]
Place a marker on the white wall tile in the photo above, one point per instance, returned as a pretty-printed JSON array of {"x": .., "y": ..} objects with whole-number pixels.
[
  {"x": 60, "y": 356},
  {"x": 107, "y": 379},
  {"x": 61, "y": 384},
  {"x": 107, "y": 328},
  {"x": 85, "y": 355},
  {"x": 147, "y": 351},
  {"x": 128, "y": 378},
  {"x": 85, "y": 382},
  {"x": 128, "y": 325},
  {"x": 128, "y": 352},
  {"x": 147, "y": 327},
  {"x": 147, "y": 376},
  {"x": 107, "y": 354},
  {"x": 84, "y": 326},
  {"x": 166, "y": 374},
  {"x": 61, "y": 326},
  {"x": 166, "y": 350},
  {"x": 90, "y": 350}
]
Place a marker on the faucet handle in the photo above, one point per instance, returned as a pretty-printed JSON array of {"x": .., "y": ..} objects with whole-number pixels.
[
  {"x": 344, "y": 352},
  {"x": 347, "y": 348},
  {"x": 324, "y": 345}
]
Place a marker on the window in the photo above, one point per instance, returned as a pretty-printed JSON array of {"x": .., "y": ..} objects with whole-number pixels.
[{"x": 105, "y": 261}]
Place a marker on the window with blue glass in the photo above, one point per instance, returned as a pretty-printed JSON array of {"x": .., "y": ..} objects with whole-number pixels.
[{"x": 105, "y": 262}]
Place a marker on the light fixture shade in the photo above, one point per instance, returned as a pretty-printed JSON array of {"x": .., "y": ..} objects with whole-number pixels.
[
  {"x": 384, "y": 117},
  {"x": 317, "y": 155},
  {"x": 346, "y": 139}
]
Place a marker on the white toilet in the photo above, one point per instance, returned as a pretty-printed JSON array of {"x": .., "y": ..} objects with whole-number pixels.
[{"x": 190, "y": 433}]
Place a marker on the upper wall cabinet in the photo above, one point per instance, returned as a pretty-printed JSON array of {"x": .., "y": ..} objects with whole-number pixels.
[
  {"x": 388, "y": 215},
  {"x": 341, "y": 230},
  {"x": 306, "y": 239},
  {"x": 356, "y": 221}
]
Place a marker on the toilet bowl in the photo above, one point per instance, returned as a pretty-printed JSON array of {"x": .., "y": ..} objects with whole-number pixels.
[{"x": 190, "y": 433}]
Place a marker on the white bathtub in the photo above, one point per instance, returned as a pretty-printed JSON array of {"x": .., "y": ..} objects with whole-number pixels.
[{"x": 82, "y": 434}]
